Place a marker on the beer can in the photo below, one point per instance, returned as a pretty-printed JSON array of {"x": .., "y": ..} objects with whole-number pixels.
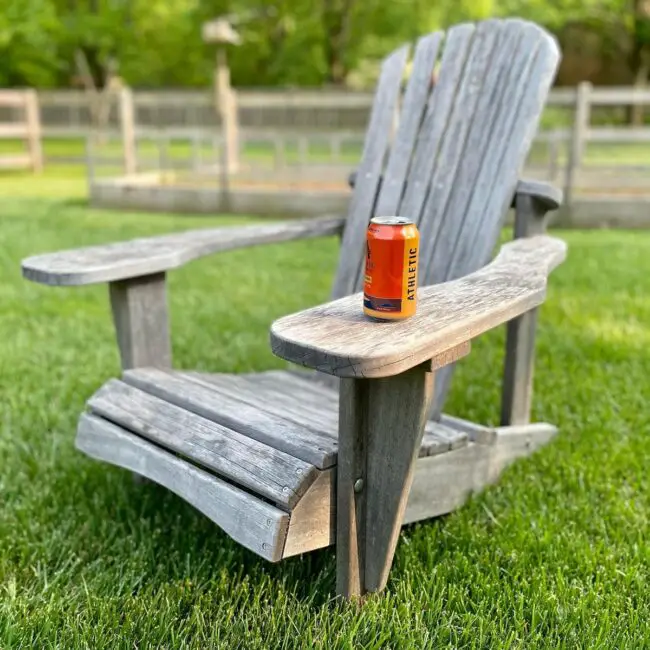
[{"x": 391, "y": 278}]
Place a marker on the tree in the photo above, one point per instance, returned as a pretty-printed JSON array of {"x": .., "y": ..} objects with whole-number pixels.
[
  {"x": 336, "y": 16},
  {"x": 29, "y": 33},
  {"x": 286, "y": 42},
  {"x": 639, "y": 56},
  {"x": 96, "y": 30}
]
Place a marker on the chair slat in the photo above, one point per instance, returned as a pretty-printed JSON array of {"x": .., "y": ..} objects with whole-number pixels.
[
  {"x": 295, "y": 405},
  {"x": 307, "y": 443},
  {"x": 434, "y": 219},
  {"x": 439, "y": 112},
  {"x": 370, "y": 171},
  {"x": 259, "y": 467},
  {"x": 516, "y": 129},
  {"x": 413, "y": 109},
  {"x": 439, "y": 439},
  {"x": 308, "y": 383},
  {"x": 252, "y": 522}
]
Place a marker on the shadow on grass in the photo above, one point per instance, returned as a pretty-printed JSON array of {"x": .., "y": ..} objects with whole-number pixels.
[
  {"x": 151, "y": 530},
  {"x": 79, "y": 202}
]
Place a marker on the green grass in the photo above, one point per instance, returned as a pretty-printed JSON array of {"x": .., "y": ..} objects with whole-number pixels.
[
  {"x": 554, "y": 556},
  {"x": 69, "y": 154},
  {"x": 64, "y": 182}
]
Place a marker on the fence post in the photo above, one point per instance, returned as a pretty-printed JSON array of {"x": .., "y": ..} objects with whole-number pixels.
[
  {"x": 335, "y": 147},
  {"x": 303, "y": 151},
  {"x": 33, "y": 119},
  {"x": 163, "y": 153},
  {"x": 553, "y": 155},
  {"x": 90, "y": 161},
  {"x": 224, "y": 175},
  {"x": 195, "y": 162},
  {"x": 226, "y": 101},
  {"x": 127, "y": 128},
  {"x": 579, "y": 134},
  {"x": 278, "y": 145}
]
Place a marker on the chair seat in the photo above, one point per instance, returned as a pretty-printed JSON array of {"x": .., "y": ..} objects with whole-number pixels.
[{"x": 256, "y": 452}]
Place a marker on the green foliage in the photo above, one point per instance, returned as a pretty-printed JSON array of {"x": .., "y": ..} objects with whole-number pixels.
[
  {"x": 29, "y": 32},
  {"x": 158, "y": 42},
  {"x": 290, "y": 42},
  {"x": 164, "y": 47}
]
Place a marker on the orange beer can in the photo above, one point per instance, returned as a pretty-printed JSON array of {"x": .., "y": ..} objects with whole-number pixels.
[{"x": 391, "y": 278}]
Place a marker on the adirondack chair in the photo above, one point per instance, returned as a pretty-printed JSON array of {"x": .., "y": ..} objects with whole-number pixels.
[{"x": 285, "y": 463}]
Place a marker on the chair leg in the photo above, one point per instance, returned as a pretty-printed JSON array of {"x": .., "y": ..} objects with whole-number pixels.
[
  {"x": 381, "y": 423},
  {"x": 141, "y": 322},
  {"x": 518, "y": 369},
  {"x": 530, "y": 219}
]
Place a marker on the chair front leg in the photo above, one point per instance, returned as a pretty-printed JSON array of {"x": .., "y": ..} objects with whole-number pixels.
[
  {"x": 141, "y": 321},
  {"x": 381, "y": 423}
]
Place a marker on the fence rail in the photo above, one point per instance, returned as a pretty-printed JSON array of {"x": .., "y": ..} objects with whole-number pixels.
[{"x": 69, "y": 109}]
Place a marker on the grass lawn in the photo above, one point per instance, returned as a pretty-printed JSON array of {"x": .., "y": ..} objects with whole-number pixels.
[
  {"x": 66, "y": 156},
  {"x": 555, "y": 555}
]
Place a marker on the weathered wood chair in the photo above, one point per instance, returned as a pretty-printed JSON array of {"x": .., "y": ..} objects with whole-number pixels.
[{"x": 285, "y": 463}]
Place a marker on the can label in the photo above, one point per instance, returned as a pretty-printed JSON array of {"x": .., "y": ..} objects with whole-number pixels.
[{"x": 390, "y": 282}]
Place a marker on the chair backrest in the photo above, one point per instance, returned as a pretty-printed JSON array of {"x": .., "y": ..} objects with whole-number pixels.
[{"x": 449, "y": 151}]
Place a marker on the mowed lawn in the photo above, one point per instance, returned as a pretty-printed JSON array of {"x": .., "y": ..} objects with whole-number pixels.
[{"x": 555, "y": 555}]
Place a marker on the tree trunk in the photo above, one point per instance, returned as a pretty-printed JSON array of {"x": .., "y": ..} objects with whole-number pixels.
[
  {"x": 337, "y": 18},
  {"x": 640, "y": 56},
  {"x": 637, "y": 111}
]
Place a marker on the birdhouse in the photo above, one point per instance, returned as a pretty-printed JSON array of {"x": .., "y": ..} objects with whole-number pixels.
[{"x": 220, "y": 31}]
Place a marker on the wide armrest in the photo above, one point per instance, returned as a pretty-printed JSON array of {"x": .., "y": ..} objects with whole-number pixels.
[
  {"x": 338, "y": 339},
  {"x": 549, "y": 196},
  {"x": 150, "y": 255}
]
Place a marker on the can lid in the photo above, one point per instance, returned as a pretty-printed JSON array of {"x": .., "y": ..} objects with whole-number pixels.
[{"x": 392, "y": 221}]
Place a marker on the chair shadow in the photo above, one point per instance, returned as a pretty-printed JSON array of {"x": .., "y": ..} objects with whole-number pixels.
[
  {"x": 74, "y": 202},
  {"x": 141, "y": 508}
]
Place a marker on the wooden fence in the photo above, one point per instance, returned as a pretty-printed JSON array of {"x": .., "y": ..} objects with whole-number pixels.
[
  {"x": 290, "y": 124},
  {"x": 67, "y": 112},
  {"x": 20, "y": 121}
]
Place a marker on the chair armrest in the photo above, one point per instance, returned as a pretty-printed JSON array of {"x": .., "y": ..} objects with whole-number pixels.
[
  {"x": 547, "y": 195},
  {"x": 338, "y": 339},
  {"x": 150, "y": 255}
]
